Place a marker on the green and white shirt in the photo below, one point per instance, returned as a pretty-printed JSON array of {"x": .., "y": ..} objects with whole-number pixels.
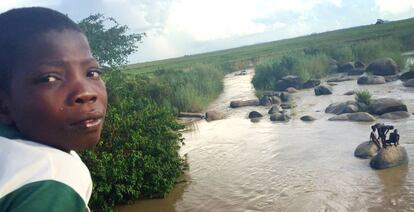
[{"x": 36, "y": 177}]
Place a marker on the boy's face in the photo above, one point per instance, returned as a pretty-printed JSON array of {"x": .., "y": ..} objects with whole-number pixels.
[{"x": 57, "y": 96}]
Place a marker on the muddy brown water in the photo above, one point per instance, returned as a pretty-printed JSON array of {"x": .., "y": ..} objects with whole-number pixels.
[{"x": 238, "y": 165}]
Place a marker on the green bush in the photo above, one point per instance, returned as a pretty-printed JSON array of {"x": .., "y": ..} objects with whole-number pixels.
[
  {"x": 138, "y": 153},
  {"x": 367, "y": 51},
  {"x": 363, "y": 99}
]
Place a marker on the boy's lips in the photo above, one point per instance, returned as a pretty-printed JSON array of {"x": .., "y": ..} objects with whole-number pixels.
[{"x": 92, "y": 121}]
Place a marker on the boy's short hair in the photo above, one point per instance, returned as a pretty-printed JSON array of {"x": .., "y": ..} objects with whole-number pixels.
[{"x": 20, "y": 27}]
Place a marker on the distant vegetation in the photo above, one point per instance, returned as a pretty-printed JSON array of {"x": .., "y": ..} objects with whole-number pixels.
[{"x": 315, "y": 61}]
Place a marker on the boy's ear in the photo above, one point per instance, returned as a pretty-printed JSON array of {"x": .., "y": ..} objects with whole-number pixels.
[{"x": 5, "y": 117}]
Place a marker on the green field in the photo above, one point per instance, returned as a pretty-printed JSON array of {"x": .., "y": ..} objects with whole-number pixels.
[{"x": 237, "y": 57}]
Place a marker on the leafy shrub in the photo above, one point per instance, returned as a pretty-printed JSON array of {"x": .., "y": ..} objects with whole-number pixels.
[
  {"x": 363, "y": 99},
  {"x": 138, "y": 152}
]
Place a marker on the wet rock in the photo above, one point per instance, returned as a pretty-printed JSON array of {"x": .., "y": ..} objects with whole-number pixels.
[
  {"x": 340, "y": 79},
  {"x": 383, "y": 67},
  {"x": 349, "y": 93},
  {"x": 358, "y": 117},
  {"x": 271, "y": 93},
  {"x": 255, "y": 114},
  {"x": 291, "y": 90},
  {"x": 307, "y": 118},
  {"x": 389, "y": 157},
  {"x": 266, "y": 100},
  {"x": 332, "y": 84},
  {"x": 395, "y": 115},
  {"x": 349, "y": 66},
  {"x": 409, "y": 83},
  {"x": 371, "y": 80},
  {"x": 311, "y": 83},
  {"x": 342, "y": 107},
  {"x": 366, "y": 150},
  {"x": 214, "y": 115},
  {"x": 322, "y": 90},
  {"x": 386, "y": 105},
  {"x": 356, "y": 71},
  {"x": 274, "y": 109},
  {"x": 243, "y": 103},
  {"x": 407, "y": 75},
  {"x": 279, "y": 117}
]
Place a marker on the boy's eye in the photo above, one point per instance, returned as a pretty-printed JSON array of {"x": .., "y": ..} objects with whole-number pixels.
[
  {"x": 47, "y": 79},
  {"x": 95, "y": 74}
]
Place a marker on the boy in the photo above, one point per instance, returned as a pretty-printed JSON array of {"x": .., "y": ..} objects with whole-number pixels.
[{"x": 52, "y": 103}]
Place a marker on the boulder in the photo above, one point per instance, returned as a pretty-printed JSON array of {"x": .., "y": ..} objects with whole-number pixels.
[
  {"x": 366, "y": 150},
  {"x": 359, "y": 64},
  {"x": 349, "y": 66},
  {"x": 274, "y": 109},
  {"x": 279, "y": 117},
  {"x": 214, "y": 115},
  {"x": 255, "y": 114},
  {"x": 322, "y": 90},
  {"x": 289, "y": 81},
  {"x": 243, "y": 103},
  {"x": 409, "y": 83},
  {"x": 349, "y": 93},
  {"x": 339, "y": 79},
  {"x": 266, "y": 100},
  {"x": 371, "y": 80},
  {"x": 395, "y": 115},
  {"x": 342, "y": 107},
  {"x": 293, "y": 81},
  {"x": 391, "y": 78},
  {"x": 291, "y": 90},
  {"x": 276, "y": 100},
  {"x": 307, "y": 118},
  {"x": 271, "y": 93},
  {"x": 356, "y": 71},
  {"x": 407, "y": 75},
  {"x": 311, "y": 83},
  {"x": 383, "y": 67},
  {"x": 389, "y": 157},
  {"x": 358, "y": 117},
  {"x": 285, "y": 97},
  {"x": 386, "y": 105}
]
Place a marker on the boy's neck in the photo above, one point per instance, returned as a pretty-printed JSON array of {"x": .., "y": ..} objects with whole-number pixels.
[{"x": 10, "y": 132}]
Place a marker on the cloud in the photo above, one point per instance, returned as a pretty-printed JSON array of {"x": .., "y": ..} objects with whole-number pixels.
[{"x": 393, "y": 7}]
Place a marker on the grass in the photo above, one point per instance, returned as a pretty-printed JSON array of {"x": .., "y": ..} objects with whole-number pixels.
[{"x": 363, "y": 99}]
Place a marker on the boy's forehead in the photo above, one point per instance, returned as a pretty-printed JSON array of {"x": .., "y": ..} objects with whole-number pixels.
[{"x": 58, "y": 46}]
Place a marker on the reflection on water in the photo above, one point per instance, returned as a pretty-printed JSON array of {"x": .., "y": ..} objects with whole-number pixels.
[{"x": 239, "y": 165}]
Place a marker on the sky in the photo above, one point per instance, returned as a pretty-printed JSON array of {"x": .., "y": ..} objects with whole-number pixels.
[{"x": 176, "y": 28}]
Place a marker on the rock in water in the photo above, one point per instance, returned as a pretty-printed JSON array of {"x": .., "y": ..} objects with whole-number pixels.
[
  {"x": 253, "y": 102},
  {"x": 255, "y": 114},
  {"x": 386, "y": 105},
  {"x": 366, "y": 150},
  {"x": 383, "y": 67},
  {"x": 371, "y": 80},
  {"x": 307, "y": 118},
  {"x": 214, "y": 115},
  {"x": 389, "y": 157},
  {"x": 395, "y": 115},
  {"x": 322, "y": 90},
  {"x": 409, "y": 83}
]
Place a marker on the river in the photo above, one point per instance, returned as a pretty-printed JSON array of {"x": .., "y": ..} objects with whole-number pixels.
[{"x": 239, "y": 165}]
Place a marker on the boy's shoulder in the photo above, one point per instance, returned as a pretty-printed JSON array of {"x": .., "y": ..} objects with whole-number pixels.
[{"x": 25, "y": 163}]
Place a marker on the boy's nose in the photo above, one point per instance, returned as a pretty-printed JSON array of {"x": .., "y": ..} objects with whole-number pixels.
[
  {"x": 82, "y": 94},
  {"x": 85, "y": 98}
]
